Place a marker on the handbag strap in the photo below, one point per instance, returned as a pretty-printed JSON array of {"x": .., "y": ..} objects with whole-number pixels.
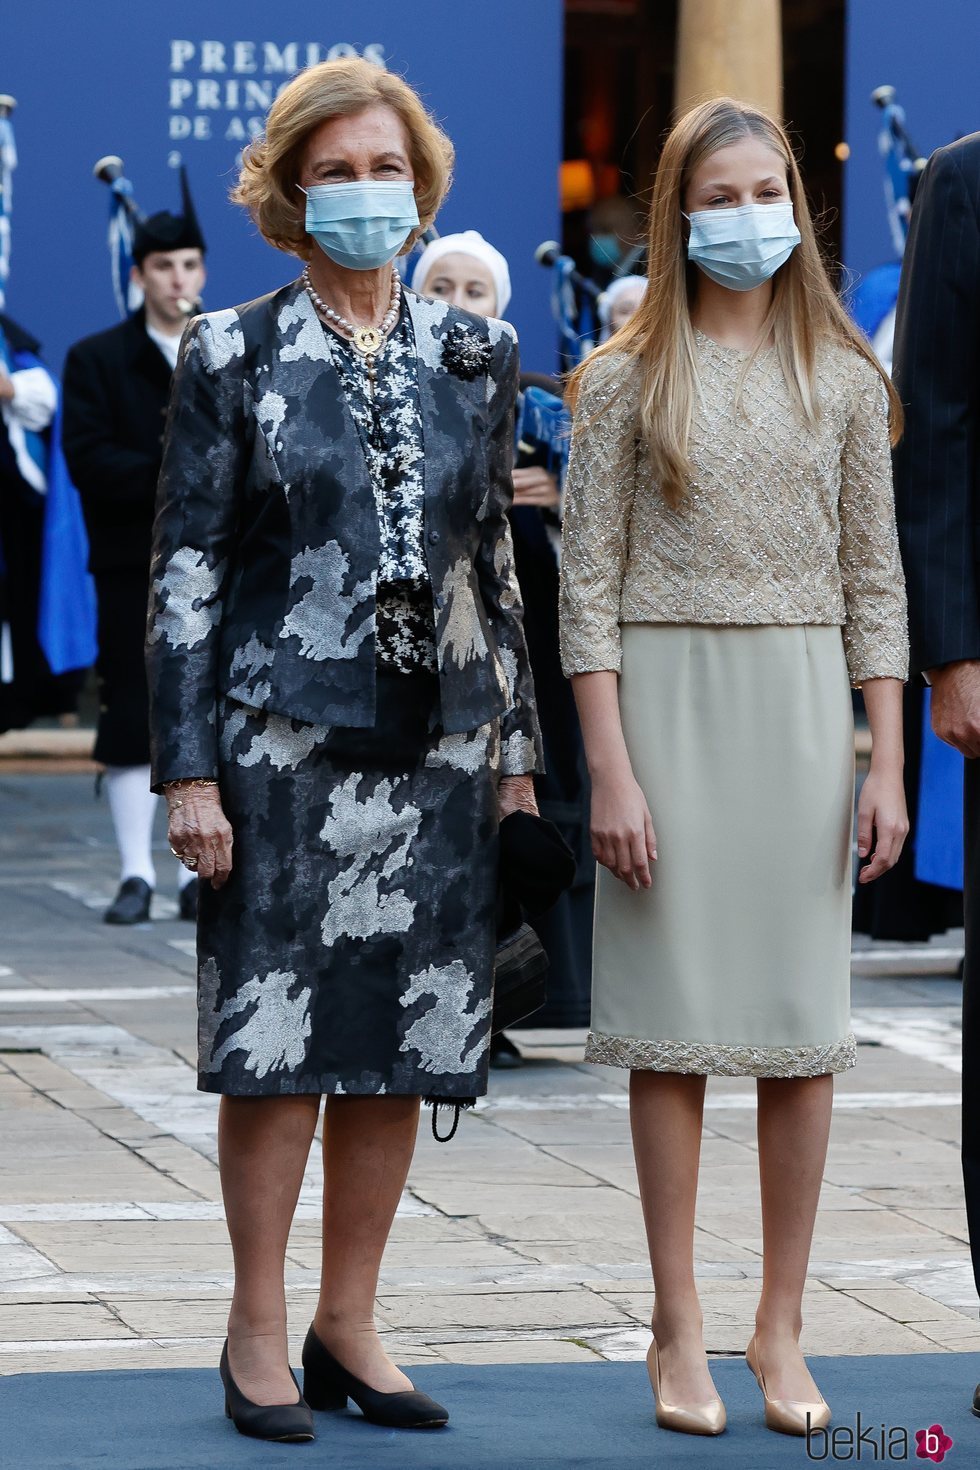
[{"x": 444, "y": 1137}]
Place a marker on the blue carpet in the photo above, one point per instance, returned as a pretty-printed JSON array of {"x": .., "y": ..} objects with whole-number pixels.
[{"x": 503, "y": 1418}]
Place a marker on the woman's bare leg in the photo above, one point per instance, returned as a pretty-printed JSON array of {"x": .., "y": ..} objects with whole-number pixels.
[
  {"x": 666, "y": 1112},
  {"x": 793, "y": 1130},
  {"x": 263, "y": 1145},
  {"x": 368, "y": 1144}
]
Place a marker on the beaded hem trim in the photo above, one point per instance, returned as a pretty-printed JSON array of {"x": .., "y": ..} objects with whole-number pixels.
[{"x": 715, "y": 1059}]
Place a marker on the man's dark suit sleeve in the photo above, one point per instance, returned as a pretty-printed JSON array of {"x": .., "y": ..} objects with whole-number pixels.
[
  {"x": 937, "y": 373},
  {"x": 105, "y": 471}
]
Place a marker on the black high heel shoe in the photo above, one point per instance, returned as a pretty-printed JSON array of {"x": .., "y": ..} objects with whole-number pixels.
[
  {"x": 285, "y": 1423},
  {"x": 328, "y": 1385}
]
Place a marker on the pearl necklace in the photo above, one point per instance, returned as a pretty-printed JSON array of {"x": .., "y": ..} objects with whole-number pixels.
[{"x": 367, "y": 340}]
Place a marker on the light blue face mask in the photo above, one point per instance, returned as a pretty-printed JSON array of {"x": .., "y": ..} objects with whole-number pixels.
[
  {"x": 361, "y": 225},
  {"x": 741, "y": 248},
  {"x": 604, "y": 250}
]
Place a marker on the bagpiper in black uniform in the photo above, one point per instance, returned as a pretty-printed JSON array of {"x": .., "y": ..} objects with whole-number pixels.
[{"x": 116, "y": 389}]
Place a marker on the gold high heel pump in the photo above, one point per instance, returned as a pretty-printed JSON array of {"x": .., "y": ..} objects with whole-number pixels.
[
  {"x": 787, "y": 1416},
  {"x": 709, "y": 1418}
]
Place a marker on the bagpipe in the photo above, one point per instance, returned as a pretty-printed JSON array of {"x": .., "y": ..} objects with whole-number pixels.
[
  {"x": 903, "y": 164},
  {"x": 871, "y": 301},
  {"x": 133, "y": 233},
  {"x": 124, "y": 215},
  {"x": 574, "y": 304},
  {"x": 66, "y": 604},
  {"x": 8, "y": 162}
]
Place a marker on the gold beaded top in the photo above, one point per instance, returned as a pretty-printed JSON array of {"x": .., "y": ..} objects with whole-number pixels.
[{"x": 782, "y": 523}]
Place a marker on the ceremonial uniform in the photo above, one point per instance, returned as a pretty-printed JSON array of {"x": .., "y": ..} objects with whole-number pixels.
[{"x": 117, "y": 386}]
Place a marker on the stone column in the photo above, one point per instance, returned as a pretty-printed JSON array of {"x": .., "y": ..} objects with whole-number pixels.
[{"x": 729, "y": 48}]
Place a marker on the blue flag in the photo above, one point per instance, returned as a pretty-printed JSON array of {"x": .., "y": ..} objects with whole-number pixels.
[
  {"x": 939, "y": 820},
  {"x": 66, "y": 615}
]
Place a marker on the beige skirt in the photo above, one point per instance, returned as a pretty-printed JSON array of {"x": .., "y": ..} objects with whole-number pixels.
[{"x": 737, "y": 961}]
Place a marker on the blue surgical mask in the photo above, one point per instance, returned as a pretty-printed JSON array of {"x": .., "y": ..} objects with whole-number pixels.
[
  {"x": 361, "y": 225},
  {"x": 741, "y": 248},
  {"x": 604, "y": 251}
]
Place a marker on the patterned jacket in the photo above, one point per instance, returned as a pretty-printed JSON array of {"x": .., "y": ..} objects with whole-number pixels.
[{"x": 266, "y": 541}]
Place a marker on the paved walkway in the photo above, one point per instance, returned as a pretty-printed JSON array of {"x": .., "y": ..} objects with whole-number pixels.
[{"x": 520, "y": 1241}]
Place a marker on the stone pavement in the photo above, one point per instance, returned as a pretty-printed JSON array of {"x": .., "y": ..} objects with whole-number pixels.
[{"x": 519, "y": 1241}]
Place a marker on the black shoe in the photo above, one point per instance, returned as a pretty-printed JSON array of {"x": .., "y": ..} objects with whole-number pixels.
[
  {"x": 327, "y": 1385},
  {"x": 131, "y": 904},
  {"x": 187, "y": 900},
  {"x": 286, "y": 1423},
  {"x": 504, "y": 1055},
  {"x": 976, "y": 1401}
]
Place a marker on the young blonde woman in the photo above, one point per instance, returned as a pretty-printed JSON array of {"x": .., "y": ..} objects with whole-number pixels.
[{"x": 730, "y": 566}]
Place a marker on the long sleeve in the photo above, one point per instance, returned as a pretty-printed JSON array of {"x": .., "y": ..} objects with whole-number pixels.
[
  {"x": 193, "y": 541},
  {"x": 876, "y": 627},
  {"x": 937, "y": 373},
  {"x": 520, "y": 736},
  {"x": 105, "y": 471},
  {"x": 598, "y": 499}
]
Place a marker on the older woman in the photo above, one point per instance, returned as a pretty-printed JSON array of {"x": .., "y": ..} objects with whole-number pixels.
[
  {"x": 341, "y": 689},
  {"x": 619, "y": 301}
]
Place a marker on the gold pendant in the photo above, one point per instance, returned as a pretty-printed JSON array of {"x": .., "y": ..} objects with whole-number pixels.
[{"x": 367, "y": 339}]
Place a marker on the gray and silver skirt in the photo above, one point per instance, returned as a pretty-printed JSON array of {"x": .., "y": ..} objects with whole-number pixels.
[{"x": 351, "y": 951}]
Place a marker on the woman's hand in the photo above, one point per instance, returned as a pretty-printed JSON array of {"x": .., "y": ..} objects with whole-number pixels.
[
  {"x": 534, "y": 485},
  {"x": 882, "y": 817},
  {"x": 623, "y": 839},
  {"x": 881, "y": 809},
  {"x": 516, "y": 794},
  {"x": 200, "y": 830}
]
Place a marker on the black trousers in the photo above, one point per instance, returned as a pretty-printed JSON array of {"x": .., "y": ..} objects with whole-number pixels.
[
  {"x": 971, "y": 1016},
  {"x": 123, "y": 737}
]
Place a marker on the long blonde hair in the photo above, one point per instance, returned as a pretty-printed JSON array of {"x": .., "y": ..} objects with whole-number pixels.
[{"x": 805, "y": 310}]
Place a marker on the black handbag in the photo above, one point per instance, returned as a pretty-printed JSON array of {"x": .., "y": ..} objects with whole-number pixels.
[
  {"x": 520, "y": 976},
  {"x": 536, "y": 866}
]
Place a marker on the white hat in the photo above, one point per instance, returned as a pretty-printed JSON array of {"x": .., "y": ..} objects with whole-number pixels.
[
  {"x": 616, "y": 288},
  {"x": 468, "y": 242}
]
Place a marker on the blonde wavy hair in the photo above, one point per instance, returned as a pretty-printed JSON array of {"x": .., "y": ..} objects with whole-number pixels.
[
  {"x": 271, "y": 165},
  {"x": 805, "y": 312}
]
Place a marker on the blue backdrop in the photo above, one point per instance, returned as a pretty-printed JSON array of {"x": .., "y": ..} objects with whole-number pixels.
[
  {"x": 190, "y": 82},
  {"x": 930, "y": 54}
]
